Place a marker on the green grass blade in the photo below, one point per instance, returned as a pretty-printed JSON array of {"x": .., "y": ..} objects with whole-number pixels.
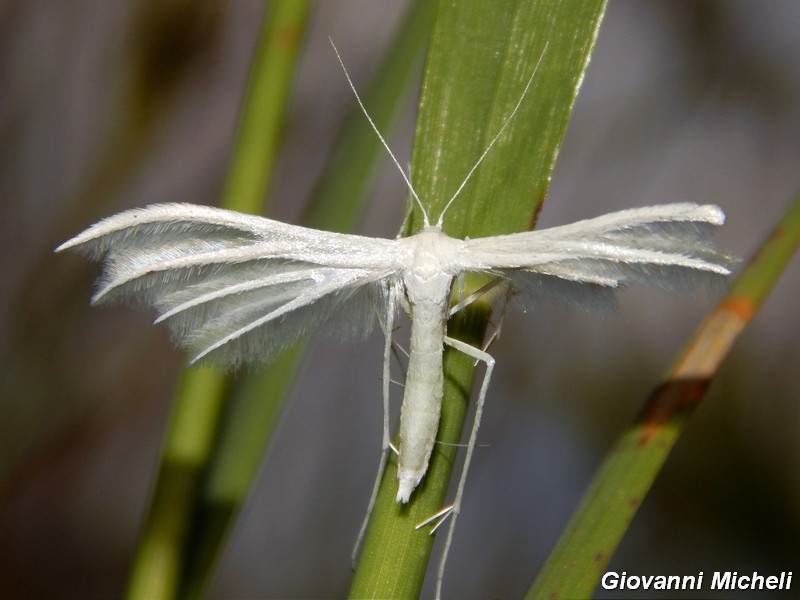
[
  {"x": 159, "y": 563},
  {"x": 339, "y": 196},
  {"x": 623, "y": 480},
  {"x": 481, "y": 55},
  {"x": 756, "y": 281},
  {"x": 254, "y": 405},
  {"x": 160, "y": 553},
  {"x": 478, "y": 66},
  {"x": 263, "y": 114}
]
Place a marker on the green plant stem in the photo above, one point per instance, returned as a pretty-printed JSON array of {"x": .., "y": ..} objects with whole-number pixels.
[
  {"x": 160, "y": 554},
  {"x": 481, "y": 56},
  {"x": 342, "y": 190},
  {"x": 623, "y": 480},
  {"x": 254, "y": 405},
  {"x": 160, "y": 561}
]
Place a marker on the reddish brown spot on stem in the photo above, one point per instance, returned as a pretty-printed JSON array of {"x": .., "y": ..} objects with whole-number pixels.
[
  {"x": 673, "y": 399},
  {"x": 741, "y": 308}
]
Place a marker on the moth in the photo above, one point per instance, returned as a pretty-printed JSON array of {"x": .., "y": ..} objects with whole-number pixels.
[{"x": 236, "y": 289}]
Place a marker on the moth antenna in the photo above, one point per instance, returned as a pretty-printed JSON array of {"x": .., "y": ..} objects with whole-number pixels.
[
  {"x": 440, "y": 222},
  {"x": 380, "y": 137}
]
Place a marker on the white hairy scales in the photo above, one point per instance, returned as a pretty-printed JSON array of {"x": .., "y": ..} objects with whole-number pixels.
[
  {"x": 237, "y": 288},
  {"x": 225, "y": 282}
]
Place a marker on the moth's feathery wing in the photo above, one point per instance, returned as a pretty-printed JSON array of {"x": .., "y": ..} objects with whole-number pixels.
[
  {"x": 238, "y": 288},
  {"x": 583, "y": 263}
]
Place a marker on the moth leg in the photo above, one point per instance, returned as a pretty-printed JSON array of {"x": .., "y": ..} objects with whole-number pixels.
[
  {"x": 397, "y": 351},
  {"x": 495, "y": 335},
  {"x": 453, "y": 510},
  {"x": 483, "y": 290},
  {"x": 386, "y": 443},
  {"x": 439, "y": 517},
  {"x": 401, "y": 355}
]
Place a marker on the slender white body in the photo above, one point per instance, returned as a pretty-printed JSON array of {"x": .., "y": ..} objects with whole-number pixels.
[
  {"x": 422, "y": 401},
  {"x": 433, "y": 259}
]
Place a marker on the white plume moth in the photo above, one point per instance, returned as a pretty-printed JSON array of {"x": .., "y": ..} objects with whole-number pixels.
[{"x": 237, "y": 289}]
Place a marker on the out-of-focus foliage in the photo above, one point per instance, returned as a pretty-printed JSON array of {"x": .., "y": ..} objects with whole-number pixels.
[{"x": 110, "y": 104}]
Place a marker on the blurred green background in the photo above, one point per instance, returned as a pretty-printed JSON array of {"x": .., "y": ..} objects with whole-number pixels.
[{"x": 109, "y": 104}]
